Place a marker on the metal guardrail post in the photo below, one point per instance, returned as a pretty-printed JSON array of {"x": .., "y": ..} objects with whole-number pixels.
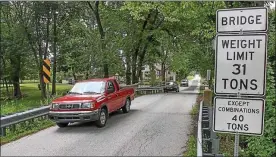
[
  {"x": 3, "y": 131},
  {"x": 199, "y": 131},
  {"x": 213, "y": 135},
  {"x": 209, "y": 136}
]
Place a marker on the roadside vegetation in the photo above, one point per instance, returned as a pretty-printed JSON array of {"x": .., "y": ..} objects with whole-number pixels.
[
  {"x": 31, "y": 98},
  {"x": 191, "y": 149}
]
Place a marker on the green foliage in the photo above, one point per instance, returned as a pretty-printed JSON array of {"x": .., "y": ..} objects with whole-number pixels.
[
  {"x": 191, "y": 146},
  {"x": 264, "y": 145}
]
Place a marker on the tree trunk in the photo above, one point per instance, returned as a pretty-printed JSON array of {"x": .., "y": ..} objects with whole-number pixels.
[
  {"x": 141, "y": 60},
  {"x": 87, "y": 75},
  {"x": 163, "y": 71},
  {"x": 102, "y": 33},
  {"x": 106, "y": 73},
  {"x": 55, "y": 55},
  {"x": 133, "y": 71},
  {"x": 136, "y": 50},
  {"x": 16, "y": 62},
  {"x": 74, "y": 74},
  {"x": 128, "y": 69},
  {"x": 47, "y": 32},
  {"x": 5, "y": 83},
  {"x": 7, "y": 87},
  {"x": 152, "y": 74}
]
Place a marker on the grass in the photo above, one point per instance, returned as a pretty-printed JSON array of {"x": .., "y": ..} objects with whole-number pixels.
[
  {"x": 192, "y": 141},
  {"x": 26, "y": 129},
  {"x": 31, "y": 98},
  {"x": 192, "y": 151},
  {"x": 226, "y": 144}
]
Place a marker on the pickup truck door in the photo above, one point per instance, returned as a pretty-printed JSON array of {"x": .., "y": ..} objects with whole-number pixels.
[
  {"x": 112, "y": 97},
  {"x": 121, "y": 95}
]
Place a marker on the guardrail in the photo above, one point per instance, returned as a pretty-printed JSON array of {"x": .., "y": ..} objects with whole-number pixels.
[
  {"x": 199, "y": 131},
  {"x": 9, "y": 122},
  {"x": 207, "y": 140},
  {"x": 149, "y": 90}
]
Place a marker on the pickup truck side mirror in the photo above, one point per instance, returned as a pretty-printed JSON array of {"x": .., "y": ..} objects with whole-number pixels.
[{"x": 110, "y": 90}]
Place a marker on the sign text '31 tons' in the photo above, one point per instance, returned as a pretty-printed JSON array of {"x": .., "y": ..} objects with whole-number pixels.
[{"x": 241, "y": 64}]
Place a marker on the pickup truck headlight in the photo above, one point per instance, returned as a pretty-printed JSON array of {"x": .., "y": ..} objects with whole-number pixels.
[
  {"x": 54, "y": 105},
  {"x": 87, "y": 105}
]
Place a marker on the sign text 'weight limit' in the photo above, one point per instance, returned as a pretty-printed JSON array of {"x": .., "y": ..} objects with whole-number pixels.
[{"x": 241, "y": 64}]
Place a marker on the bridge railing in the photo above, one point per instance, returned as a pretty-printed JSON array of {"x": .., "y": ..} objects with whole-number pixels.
[
  {"x": 199, "y": 131},
  {"x": 207, "y": 139}
]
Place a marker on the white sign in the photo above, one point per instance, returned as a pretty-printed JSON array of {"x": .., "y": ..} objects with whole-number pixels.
[
  {"x": 239, "y": 115},
  {"x": 242, "y": 19},
  {"x": 241, "y": 64}
]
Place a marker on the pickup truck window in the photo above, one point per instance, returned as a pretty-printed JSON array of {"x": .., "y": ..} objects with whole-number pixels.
[
  {"x": 110, "y": 87},
  {"x": 88, "y": 88}
]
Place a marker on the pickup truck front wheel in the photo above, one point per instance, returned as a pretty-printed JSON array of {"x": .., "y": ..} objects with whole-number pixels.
[
  {"x": 126, "y": 108},
  {"x": 62, "y": 125},
  {"x": 102, "y": 118}
]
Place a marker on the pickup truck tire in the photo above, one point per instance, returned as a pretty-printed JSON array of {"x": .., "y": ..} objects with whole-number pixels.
[
  {"x": 62, "y": 125},
  {"x": 126, "y": 108},
  {"x": 102, "y": 118}
]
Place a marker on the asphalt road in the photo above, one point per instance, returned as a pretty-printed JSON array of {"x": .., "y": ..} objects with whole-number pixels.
[{"x": 157, "y": 125}]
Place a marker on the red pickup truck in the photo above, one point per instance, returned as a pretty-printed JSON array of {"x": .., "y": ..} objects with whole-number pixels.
[{"x": 91, "y": 100}]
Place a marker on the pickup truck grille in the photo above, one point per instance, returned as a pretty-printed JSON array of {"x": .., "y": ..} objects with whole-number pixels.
[{"x": 69, "y": 106}]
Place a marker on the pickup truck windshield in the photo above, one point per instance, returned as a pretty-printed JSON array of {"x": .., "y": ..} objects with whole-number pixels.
[{"x": 88, "y": 88}]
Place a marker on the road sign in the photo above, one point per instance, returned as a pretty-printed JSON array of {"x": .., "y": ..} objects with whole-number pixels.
[
  {"x": 241, "y": 64},
  {"x": 242, "y": 19},
  {"x": 239, "y": 115},
  {"x": 46, "y": 71}
]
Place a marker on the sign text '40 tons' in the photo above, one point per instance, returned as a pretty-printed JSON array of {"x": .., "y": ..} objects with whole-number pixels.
[
  {"x": 239, "y": 115},
  {"x": 241, "y": 64}
]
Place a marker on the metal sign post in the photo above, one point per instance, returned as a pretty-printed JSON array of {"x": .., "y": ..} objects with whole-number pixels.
[
  {"x": 236, "y": 146},
  {"x": 240, "y": 71},
  {"x": 237, "y": 137}
]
